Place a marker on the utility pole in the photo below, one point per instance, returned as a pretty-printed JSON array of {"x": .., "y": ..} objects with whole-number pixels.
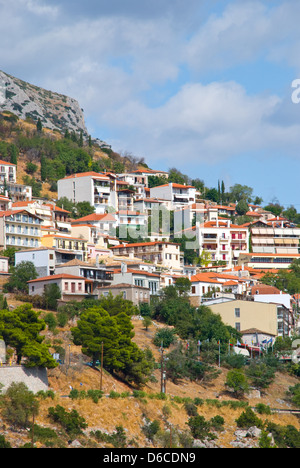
[
  {"x": 101, "y": 374},
  {"x": 162, "y": 372}
]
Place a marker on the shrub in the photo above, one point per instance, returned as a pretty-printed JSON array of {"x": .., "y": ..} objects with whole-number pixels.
[
  {"x": 248, "y": 419},
  {"x": 199, "y": 427},
  {"x": 150, "y": 429},
  {"x": 237, "y": 381},
  {"x": 263, "y": 409},
  {"x": 72, "y": 422},
  {"x": 4, "y": 443},
  {"x": 217, "y": 423},
  {"x": 190, "y": 408}
]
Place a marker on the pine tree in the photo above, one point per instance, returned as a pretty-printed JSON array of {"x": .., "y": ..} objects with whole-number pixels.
[
  {"x": 13, "y": 154},
  {"x": 43, "y": 168},
  {"x": 39, "y": 126}
]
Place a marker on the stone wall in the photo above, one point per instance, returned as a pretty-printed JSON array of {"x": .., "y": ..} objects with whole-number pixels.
[{"x": 35, "y": 379}]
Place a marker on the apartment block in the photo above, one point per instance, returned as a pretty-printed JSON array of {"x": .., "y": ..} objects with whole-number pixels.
[
  {"x": 68, "y": 244},
  {"x": 98, "y": 189},
  {"x": 275, "y": 239},
  {"x": 20, "y": 228},
  {"x": 272, "y": 319},
  {"x": 179, "y": 195},
  {"x": 163, "y": 254},
  {"x": 223, "y": 240}
]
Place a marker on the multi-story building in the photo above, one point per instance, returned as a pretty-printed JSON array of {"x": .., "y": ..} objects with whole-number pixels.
[
  {"x": 136, "y": 179},
  {"x": 53, "y": 217},
  {"x": 8, "y": 172},
  {"x": 98, "y": 273},
  {"x": 179, "y": 195},
  {"x": 46, "y": 259},
  {"x": 266, "y": 238},
  {"x": 163, "y": 254},
  {"x": 223, "y": 240},
  {"x": 20, "y": 228},
  {"x": 272, "y": 319},
  {"x": 98, "y": 189},
  {"x": 267, "y": 261},
  {"x": 103, "y": 223},
  {"x": 76, "y": 245},
  {"x": 141, "y": 278}
]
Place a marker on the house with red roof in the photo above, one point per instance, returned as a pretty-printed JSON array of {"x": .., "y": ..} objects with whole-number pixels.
[
  {"x": 179, "y": 195},
  {"x": 72, "y": 288}
]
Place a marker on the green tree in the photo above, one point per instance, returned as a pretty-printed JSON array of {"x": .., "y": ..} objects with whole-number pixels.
[
  {"x": 51, "y": 296},
  {"x": 120, "y": 353},
  {"x": 20, "y": 405},
  {"x": 260, "y": 374},
  {"x": 20, "y": 275},
  {"x": 237, "y": 381},
  {"x": 242, "y": 207},
  {"x": 39, "y": 126},
  {"x": 20, "y": 329}
]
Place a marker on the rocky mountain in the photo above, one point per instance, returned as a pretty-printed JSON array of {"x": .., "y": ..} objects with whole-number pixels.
[{"x": 25, "y": 100}]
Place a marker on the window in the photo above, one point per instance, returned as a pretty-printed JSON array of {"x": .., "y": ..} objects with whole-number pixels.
[
  {"x": 237, "y": 312},
  {"x": 238, "y": 326},
  {"x": 79, "y": 286},
  {"x": 66, "y": 286},
  {"x": 193, "y": 289}
]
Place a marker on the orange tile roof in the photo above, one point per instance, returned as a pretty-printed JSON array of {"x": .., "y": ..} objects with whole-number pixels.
[
  {"x": 51, "y": 277},
  {"x": 7, "y": 163},
  {"x": 142, "y": 244},
  {"x": 87, "y": 174},
  {"x": 95, "y": 217},
  {"x": 176, "y": 185}
]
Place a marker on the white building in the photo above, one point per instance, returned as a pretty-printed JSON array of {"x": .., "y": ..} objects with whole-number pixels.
[
  {"x": 98, "y": 189},
  {"x": 179, "y": 195}
]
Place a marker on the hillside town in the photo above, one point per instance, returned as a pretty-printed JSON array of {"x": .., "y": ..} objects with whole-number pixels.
[{"x": 137, "y": 241}]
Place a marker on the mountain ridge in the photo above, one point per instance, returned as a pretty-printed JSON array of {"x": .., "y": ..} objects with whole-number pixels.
[{"x": 56, "y": 111}]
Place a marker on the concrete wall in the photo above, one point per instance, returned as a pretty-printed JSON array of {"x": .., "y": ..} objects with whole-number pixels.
[{"x": 35, "y": 379}]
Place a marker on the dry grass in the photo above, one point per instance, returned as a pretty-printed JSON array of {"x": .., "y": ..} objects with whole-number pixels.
[{"x": 131, "y": 412}]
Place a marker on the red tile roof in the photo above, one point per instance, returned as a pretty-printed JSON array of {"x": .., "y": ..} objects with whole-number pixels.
[{"x": 53, "y": 277}]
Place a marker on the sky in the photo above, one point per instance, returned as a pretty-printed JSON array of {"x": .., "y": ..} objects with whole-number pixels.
[{"x": 208, "y": 87}]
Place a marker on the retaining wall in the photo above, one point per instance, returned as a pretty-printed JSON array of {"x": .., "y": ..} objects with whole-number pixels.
[{"x": 35, "y": 378}]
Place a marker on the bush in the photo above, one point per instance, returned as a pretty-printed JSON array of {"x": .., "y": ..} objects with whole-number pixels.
[
  {"x": 150, "y": 429},
  {"x": 217, "y": 423},
  {"x": 237, "y": 381},
  {"x": 263, "y": 409},
  {"x": 72, "y": 422},
  {"x": 190, "y": 408},
  {"x": 248, "y": 419},
  {"x": 199, "y": 427},
  {"x": 4, "y": 443}
]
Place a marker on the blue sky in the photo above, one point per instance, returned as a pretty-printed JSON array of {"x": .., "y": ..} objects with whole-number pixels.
[{"x": 203, "y": 86}]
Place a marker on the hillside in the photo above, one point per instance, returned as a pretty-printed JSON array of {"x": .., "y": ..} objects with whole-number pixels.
[
  {"x": 119, "y": 408},
  {"x": 56, "y": 111},
  {"x": 61, "y": 154}
]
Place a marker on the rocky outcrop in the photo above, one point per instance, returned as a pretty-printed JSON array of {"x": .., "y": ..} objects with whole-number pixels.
[{"x": 25, "y": 100}]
